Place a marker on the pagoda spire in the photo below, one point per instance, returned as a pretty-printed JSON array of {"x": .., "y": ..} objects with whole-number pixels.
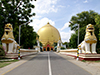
[{"x": 48, "y": 23}]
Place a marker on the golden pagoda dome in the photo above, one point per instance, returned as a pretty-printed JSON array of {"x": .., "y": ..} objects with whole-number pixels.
[{"x": 48, "y": 34}]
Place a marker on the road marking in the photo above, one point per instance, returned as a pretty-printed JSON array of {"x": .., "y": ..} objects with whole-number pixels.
[{"x": 49, "y": 64}]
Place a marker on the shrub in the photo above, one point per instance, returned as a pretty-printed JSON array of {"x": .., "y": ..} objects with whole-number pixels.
[
  {"x": 2, "y": 51},
  {"x": 98, "y": 50},
  {"x": 62, "y": 47}
]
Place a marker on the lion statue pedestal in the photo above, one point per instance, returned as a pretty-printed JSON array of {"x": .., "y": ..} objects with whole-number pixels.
[
  {"x": 8, "y": 40},
  {"x": 89, "y": 43}
]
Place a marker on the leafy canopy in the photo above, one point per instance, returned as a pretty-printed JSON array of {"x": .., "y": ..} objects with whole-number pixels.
[
  {"x": 17, "y": 12},
  {"x": 84, "y": 18}
]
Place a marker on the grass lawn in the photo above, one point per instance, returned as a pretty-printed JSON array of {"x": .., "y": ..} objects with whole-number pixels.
[
  {"x": 5, "y": 62},
  {"x": 91, "y": 61}
]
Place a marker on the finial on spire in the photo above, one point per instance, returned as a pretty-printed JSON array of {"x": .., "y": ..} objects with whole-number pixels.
[{"x": 48, "y": 23}]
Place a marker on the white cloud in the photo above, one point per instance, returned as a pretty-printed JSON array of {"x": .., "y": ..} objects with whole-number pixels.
[
  {"x": 38, "y": 23},
  {"x": 65, "y": 36},
  {"x": 45, "y": 6},
  {"x": 65, "y": 25},
  {"x": 86, "y": 1},
  {"x": 61, "y": 6}
]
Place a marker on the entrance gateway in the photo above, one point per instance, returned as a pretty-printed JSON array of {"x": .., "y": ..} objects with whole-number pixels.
[{"x": 48, "y": 47}]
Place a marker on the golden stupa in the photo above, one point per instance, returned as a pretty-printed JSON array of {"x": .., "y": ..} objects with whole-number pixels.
[{"x": 47, "y": 36}]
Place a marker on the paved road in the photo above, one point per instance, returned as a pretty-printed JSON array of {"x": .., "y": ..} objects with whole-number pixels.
[{"x": 48, "y": 63}]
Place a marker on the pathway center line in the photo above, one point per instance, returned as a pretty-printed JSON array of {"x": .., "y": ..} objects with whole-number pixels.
[{"x": 49, "y": 64}]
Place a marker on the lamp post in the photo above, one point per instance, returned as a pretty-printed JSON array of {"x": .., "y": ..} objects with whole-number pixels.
[
  {"x": 20, "y": 30},
  {"x": 78, "y": 34},
  {"x": 19, "y": 34},
  {"x": 77, "y": 42},
  {"x": 19, "y": 38}
]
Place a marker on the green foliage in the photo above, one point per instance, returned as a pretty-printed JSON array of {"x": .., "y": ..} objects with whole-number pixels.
[
  {"x": 83, "y": 60},
  {"x": 66, "y": 43},
  {"x": 98, "y": 50},
  {"x": 84, "y": 18},
  {"x": 2, "y": 52},
  {"x": 97, "y": 61},
  {"x": 2, "y": 64},
  {"x": 73, "y": 41},
  {"x": 97, "y": 20},
  {"x": 55, "y": 44},
  {"x": 6, "y": 62},
  {"x": 62, "y": 48},
  {"x": 41, "y": 44},
  {"x": 18, "y": 12},
  {"x": 28, "y": 37}
]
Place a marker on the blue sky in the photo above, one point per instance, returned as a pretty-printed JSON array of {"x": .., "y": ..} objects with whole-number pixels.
[{"x": 59, "y": 12}]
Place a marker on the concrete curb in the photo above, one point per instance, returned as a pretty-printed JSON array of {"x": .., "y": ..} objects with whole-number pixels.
[
  {"x": 10, "y": 67},
  {"x": 91, "y": 67}
]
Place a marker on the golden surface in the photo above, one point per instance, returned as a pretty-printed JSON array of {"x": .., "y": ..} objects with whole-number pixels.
[
  {"x": 8, "y": 32},
  {"x": 6, "y": 41},
  {"x": 88, "y": 37},
  {"x": 48, "y": 33},
  {"x": 91, "y": 41}
]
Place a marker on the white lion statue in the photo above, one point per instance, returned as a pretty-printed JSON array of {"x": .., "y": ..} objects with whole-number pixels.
[
  {"x": 89, "y": 43},
  {"x": 8, "y": 39}
]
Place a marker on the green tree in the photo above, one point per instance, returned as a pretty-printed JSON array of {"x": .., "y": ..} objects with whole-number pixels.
[
  {"x": 97, "y": 20},
  {"x": 28, "y": 37},
  {"x": 15, "y": 12},
  {"x": 84, "y": 18},
  {"x": 18, "y": 12},
  {"x": 73, "y": 41},
  {"x": 2, "y": 51},
  {"x": 41, "y": 44},
  {"x": 66, "y": 43},
  {"x": 55, "y": 44}
]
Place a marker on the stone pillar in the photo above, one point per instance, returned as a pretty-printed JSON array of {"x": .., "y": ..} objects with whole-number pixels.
[
  {"x": 58, "y": 46},
  {"x": 38, "y": 46}
]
